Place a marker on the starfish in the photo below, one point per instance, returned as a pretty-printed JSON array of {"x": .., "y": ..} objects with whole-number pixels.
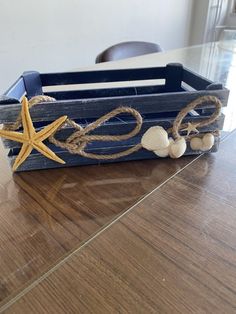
[
  {"x": 32, "y": 139},
  {"x": 191, "y": 128}
]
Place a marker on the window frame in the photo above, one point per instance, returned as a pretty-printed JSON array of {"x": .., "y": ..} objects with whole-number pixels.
[{"x": 233, "y": 8}]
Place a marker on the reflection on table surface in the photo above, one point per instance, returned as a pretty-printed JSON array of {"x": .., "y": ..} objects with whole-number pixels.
[{"x": 46, "y": 214}]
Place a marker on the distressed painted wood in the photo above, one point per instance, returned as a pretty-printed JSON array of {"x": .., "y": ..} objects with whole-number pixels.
[
  {"x": 94, "y": 108},
  {"x": 103, "y": 76},
  {"x": 174, "y": 77},
  {"x": 172, "y": 71},
  {"x": 122, "y": 126},
  {"x": 108, "y": 92},
  {"x": 94, "y": 103},
  {"x": 196, "y": 81},
  {"x": 33, "y": 84},
  {"x": 158, "y": 104},
  {"x": 37, "y": 161}
]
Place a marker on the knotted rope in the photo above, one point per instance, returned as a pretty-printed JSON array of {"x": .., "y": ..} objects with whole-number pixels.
[
  {"x": 79, "y": 139},
  {"x": 177, "y": 125},
  {"x": 77, "y": 142}
]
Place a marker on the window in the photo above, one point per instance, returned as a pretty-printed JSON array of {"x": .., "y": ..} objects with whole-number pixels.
[
  {"x": 234, "y": 7},
  {"x": 230, "y": 21}
]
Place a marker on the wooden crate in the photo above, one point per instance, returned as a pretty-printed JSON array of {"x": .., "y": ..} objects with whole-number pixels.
[{"x": 158, "y": 104}]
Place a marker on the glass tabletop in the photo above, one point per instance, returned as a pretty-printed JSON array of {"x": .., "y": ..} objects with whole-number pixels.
[{"x": 44, "y": 215}]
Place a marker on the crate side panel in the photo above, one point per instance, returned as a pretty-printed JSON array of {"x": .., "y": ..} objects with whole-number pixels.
[
  {"x": 126, "y": 127},
  {"x": 37, "y": 161},
  {"x": 16, "y": 91},
  {"x": 195, "y": 80}
]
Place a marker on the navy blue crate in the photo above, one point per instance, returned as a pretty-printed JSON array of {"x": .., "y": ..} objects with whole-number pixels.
[{"x": 157, "y": 103}]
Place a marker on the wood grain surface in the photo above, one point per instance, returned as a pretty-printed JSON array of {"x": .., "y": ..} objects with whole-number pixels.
[
  {"x": 174, "y": 252},
  {"x": 64, "y": 250},
  {"x": 46, "y": 214}
]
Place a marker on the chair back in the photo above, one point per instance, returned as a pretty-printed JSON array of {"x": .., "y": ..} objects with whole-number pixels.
[{"x": 127, "y": 50}]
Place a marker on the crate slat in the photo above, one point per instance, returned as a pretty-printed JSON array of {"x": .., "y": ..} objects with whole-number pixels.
[
  {"x": 107, "y": 92},
  {"x": 94, "y": 108},
  {"x": 102, "y": 76},
  {"x": 196, "y": 81},
  {"x": 124, "y": 127},
  {"x": 38, "y": 161}
]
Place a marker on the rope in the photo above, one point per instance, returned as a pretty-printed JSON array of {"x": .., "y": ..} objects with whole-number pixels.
[
  {"x": 33, "y": 101},
  {"x": 177, "y": 126},
  {"x": 79, "y": 139}
]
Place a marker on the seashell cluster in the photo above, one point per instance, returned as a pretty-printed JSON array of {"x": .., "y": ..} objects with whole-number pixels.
[
  {"x": 204, "y": 144},
  {"x": 156, "y": 139}
]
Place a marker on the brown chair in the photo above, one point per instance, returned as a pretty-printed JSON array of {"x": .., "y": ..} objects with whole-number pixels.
[{"x": 127, "y": 50}]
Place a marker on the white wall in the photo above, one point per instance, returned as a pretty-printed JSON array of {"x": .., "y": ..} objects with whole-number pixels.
[{"x": 58, "y": 35}]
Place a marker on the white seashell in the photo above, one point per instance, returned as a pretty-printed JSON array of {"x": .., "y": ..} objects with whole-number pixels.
[
  {"x": 177, "y": 148},
  {"x": 196, "y": 143},
  {"x": 164, "y": 152},
  {"x": 155, "y": 138},
  {"x": 208, "y": 141},
  {"x": 204, "y": 143}
]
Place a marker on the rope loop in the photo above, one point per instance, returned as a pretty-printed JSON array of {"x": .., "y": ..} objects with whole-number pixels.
[
  {"x": 177, "y": 125},
  {"x": 77, "y": 141}
]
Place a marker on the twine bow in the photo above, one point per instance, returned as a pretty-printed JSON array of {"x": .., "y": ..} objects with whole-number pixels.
[{"x": 77, "y": 142}]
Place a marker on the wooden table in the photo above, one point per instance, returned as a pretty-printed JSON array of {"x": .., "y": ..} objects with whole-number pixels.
[{"x": 154, "y": 236}]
